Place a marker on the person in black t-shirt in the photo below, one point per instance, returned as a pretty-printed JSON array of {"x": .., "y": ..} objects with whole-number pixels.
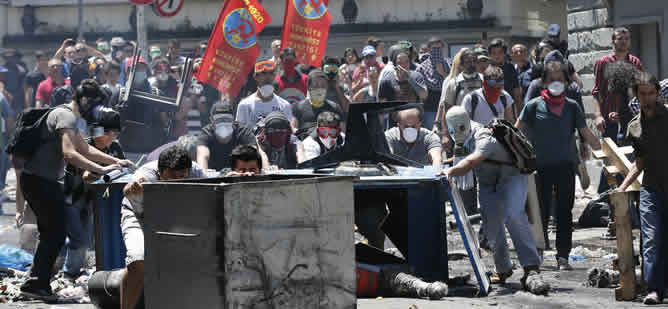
[
  {"x": 36, "y": 76},
  {"x": 306, "y": 112},
  {"x": 221, "y": 136}
]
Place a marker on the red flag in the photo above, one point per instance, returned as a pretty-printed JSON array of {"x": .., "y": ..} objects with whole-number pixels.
[
  {"x": 305, "y": 28},
  {"x": 232, "y": 48}
]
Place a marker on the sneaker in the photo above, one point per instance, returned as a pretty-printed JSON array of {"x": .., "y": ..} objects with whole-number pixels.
[
  {"x": 33, "y": 291},
  {"x": 652, "y": 299},
  {"x": 562, "y": 264}
]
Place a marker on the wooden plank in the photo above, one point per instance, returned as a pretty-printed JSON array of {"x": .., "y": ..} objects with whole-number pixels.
[
  {"x": 599, "y": 154},
  {"x": 470, "y": 240},
  {"x": 627, "y": 150},
  {"x": 626, "y": 266},
  {"x": 533, "y": 212},
  {"x": 617, "y": 158},
  {"x": 611, "y": 170}
]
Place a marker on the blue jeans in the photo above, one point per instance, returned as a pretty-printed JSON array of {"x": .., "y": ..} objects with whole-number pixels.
[
  {"x": 79, "y": 225},
  {"x": 652, "y": 227},
  {"x": 428, "y": 121},
  {"x": 502, "y": 206}
]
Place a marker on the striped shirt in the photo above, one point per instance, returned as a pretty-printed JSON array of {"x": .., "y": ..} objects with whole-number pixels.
[{"x": 609, "y": 102}]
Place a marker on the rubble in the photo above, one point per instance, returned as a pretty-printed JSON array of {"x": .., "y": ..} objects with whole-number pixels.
[
  {"x": 404, "y": 285},
  {"x": 602, "y": 278},
  {"x": 536, "y": 284},
  {"x": 67, "y": 290},
  {"x": 598, "y": 253}
]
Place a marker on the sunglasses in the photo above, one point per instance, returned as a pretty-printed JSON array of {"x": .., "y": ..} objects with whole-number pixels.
[
  {"x": 327, "y": 131},
  {"x": 494, "y": 83},
  {"x": 265, "y": 66}
]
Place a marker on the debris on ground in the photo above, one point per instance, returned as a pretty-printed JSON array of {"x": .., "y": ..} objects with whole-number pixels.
[
  {"x": 67, "y": 290},
  {"x": 598, "y": 253},
  {"x": 602, "y": 278},
  {"x": 405, "y": 285},
  {"x": 536, "y": 284}
]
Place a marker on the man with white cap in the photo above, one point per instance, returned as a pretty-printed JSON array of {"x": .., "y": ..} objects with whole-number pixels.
[
  {"x": 360, "y": 75},
  {"x": 220, "y": 137},
  {"x": 502, "y": 194}
]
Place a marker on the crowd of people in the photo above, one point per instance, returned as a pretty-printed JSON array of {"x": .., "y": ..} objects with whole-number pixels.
[{"x": 288, "y": 113}]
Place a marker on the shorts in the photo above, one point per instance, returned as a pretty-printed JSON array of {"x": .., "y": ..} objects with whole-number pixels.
[{"x": 133, "y": 236}]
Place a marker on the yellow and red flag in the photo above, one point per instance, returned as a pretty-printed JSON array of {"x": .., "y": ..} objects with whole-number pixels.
[{"x": 305, "y": 28}]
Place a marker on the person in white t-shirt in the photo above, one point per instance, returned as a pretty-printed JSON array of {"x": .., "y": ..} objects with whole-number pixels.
[
  {"x": 262, "y": 102},
  {"x": 326, "y": 137},
  {"x": 477, "y": 103}
]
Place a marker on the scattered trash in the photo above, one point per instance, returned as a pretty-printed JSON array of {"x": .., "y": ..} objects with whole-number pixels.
[
  {"x": 576, "y": 257},
  {"x": 536, "y": 284},
  {"x": 12, "y": 257},
  {"x": 68, "y": 291},
  {"x": 579, "y": 250},
  {"x": 405, "y": 285},
  {"x": 602, "y": 278}
]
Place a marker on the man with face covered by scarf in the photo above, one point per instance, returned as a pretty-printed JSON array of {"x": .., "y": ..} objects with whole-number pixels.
[
  {"x": 502, "y": 195},
  {"x": 275, "y": 138},
  {"x": 220, "y": 137},
  {"x": 291, "y": 84}
]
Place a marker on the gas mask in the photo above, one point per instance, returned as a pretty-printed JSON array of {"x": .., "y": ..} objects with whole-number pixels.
[
  {"x": 410, "y": 135},
  {"x": 162, "y": 76},
  {"x": 328, "y": 136},
  {"x": 459, "y": 127},
  {"x": 556, "y": 88},
  {"x": 266, "y": 90}
]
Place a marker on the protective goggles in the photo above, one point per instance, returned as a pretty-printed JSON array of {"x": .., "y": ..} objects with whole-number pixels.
[
  {"x": 276, "y": 131},
  {"x": 329, "y": 69},
  {"x": 498, "y": 83},
  {"x": 327, "y": 131},
  {"x": 265, "y": 66}
]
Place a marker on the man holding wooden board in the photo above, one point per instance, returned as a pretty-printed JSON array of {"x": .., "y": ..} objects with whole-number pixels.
[{"x": 648, "y": 133}]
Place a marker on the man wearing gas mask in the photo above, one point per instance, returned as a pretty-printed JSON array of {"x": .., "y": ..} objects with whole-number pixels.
[
  {"x": 409, "y": 140},
  {"x": 263, "y": 101},
  {"x": 502, "y": 194},
  {"x": 326, "y": 137},
  {"x": 274, "y": 135},
  {"x": 220, "y": 137},
  {"x": 64, "y": 131},
  {"x": 306, "y": 112},
  {"x": 336, "y": 91},
  {"x": 162, "y": 78}
]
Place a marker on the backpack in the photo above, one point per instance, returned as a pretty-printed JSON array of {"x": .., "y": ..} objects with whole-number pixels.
[
  {"x": 459, "y": 88},
  {"x": 475, "y": 100},
  {"x": 28, "y": 134},
  {"x": 514, "y": 142}
]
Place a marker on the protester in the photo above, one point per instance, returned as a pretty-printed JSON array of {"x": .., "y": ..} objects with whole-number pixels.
[
  {"x": 35, "y": 77},
  {"x": 325, "y": 138},
  {"x": 483, "y": 59},
  {"x": 434, "y": 68},
  {"x": 162, "y": 78},
  {"x": 155, "y": 52},
  {"x": 174, "y": 163},
  {"x": 368, "y": 94},
  {"x": 553, "y": 36},
  {"x": 491, "y": 101},
  {"x": 550, "y": 121},
  {"x": 535, "y": 71},
  {"x": 44, "y": 194},
  {"x": 104, "y": 47},
  {"x": 276, "y": 56},
  {"x": 306, "y": 112},
  {"x": 336, "y": 89},
  {"x": 78, "y": 198},
  {"x": 350, "y": 62},
  {"x": 220, "y": 136},
  {"x": 648, "y": 133},
  {"x": 498, "y": 51},
  {"x": 15, "y": 78},
  {"x": 246, "y": 161},
  {"x": 55, "y": 79},
  {"x": 187, "y": 142},
  {"x": 98, "y": 69},
  {"x": 409, "y": 140},
  {"x": 274, "y": 135},
  {"x": 520, "y": 56},
  {"x": 117, "y": 52},
  {"x": 64, "y": 94},
  {"x": 7, "y": 119},
  {"x": 291, "y": 84},
  {"x": 174, "y": 53},
  {"x": 404, "y": 85},
  {"x": 458, "y": 88},
  {"x": 455, "y": 69},
  {"x": 502, "y": 195},
  {"x": 379, "y": 46},
  {"x": 263, "y": 101},
  {"x": 360, "y": 75}
]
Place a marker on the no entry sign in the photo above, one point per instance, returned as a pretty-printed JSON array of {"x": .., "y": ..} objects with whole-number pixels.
[
  {"x": 141, "y": 2},
  {"x": 167, "y": 8}
]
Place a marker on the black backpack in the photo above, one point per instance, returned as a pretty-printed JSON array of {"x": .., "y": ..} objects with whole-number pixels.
[
  {"x": 514, "y": 142},
  {"x": 28, "y": 134}
]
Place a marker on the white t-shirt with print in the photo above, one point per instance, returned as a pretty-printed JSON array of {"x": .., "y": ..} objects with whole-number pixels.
[{"x": 252, "y": 109}]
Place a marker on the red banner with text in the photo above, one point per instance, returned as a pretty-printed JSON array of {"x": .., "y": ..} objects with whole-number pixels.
[
  {"x": 305, "y": 28},
  {"x": 233, "y": 48}
]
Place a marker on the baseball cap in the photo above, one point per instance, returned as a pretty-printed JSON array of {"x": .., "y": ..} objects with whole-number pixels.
[
  {"x": 222, "y": 111},
  {"x": 482, "y": 53},
  {"x": 368, "y": 50},
  {"x": 553, "y": 30}
]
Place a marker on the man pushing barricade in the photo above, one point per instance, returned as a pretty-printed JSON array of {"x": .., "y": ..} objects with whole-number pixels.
[{"x": 502, "y": 187}]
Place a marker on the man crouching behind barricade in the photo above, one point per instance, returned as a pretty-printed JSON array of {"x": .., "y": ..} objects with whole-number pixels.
[
  {"x": 245, "y": 161},
  {"x": 502, "y": 195},
  {"x": 648, "y": 133},
  {"x": 173, "y": 163}
]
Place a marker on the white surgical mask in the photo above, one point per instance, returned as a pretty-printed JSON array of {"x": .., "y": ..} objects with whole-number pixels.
[
  {"x": 459, "y": 124},
  {"x": 410, "y": 134},
  {"x": 556, "y": 88},
  {"x": 224, "y": 130},
  {"x": 266, "y": 91},
  {"x": 329, "y": 142},
  {"x": 317, "y": 95}
]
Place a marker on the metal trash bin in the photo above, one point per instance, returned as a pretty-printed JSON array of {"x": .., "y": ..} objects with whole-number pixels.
[{"x": 279, "y": 241}]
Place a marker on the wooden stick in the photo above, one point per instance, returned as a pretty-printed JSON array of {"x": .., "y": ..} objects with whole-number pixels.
[
  {"x": 627, "y": 289},
  {"x": 617, "y": 157}
]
